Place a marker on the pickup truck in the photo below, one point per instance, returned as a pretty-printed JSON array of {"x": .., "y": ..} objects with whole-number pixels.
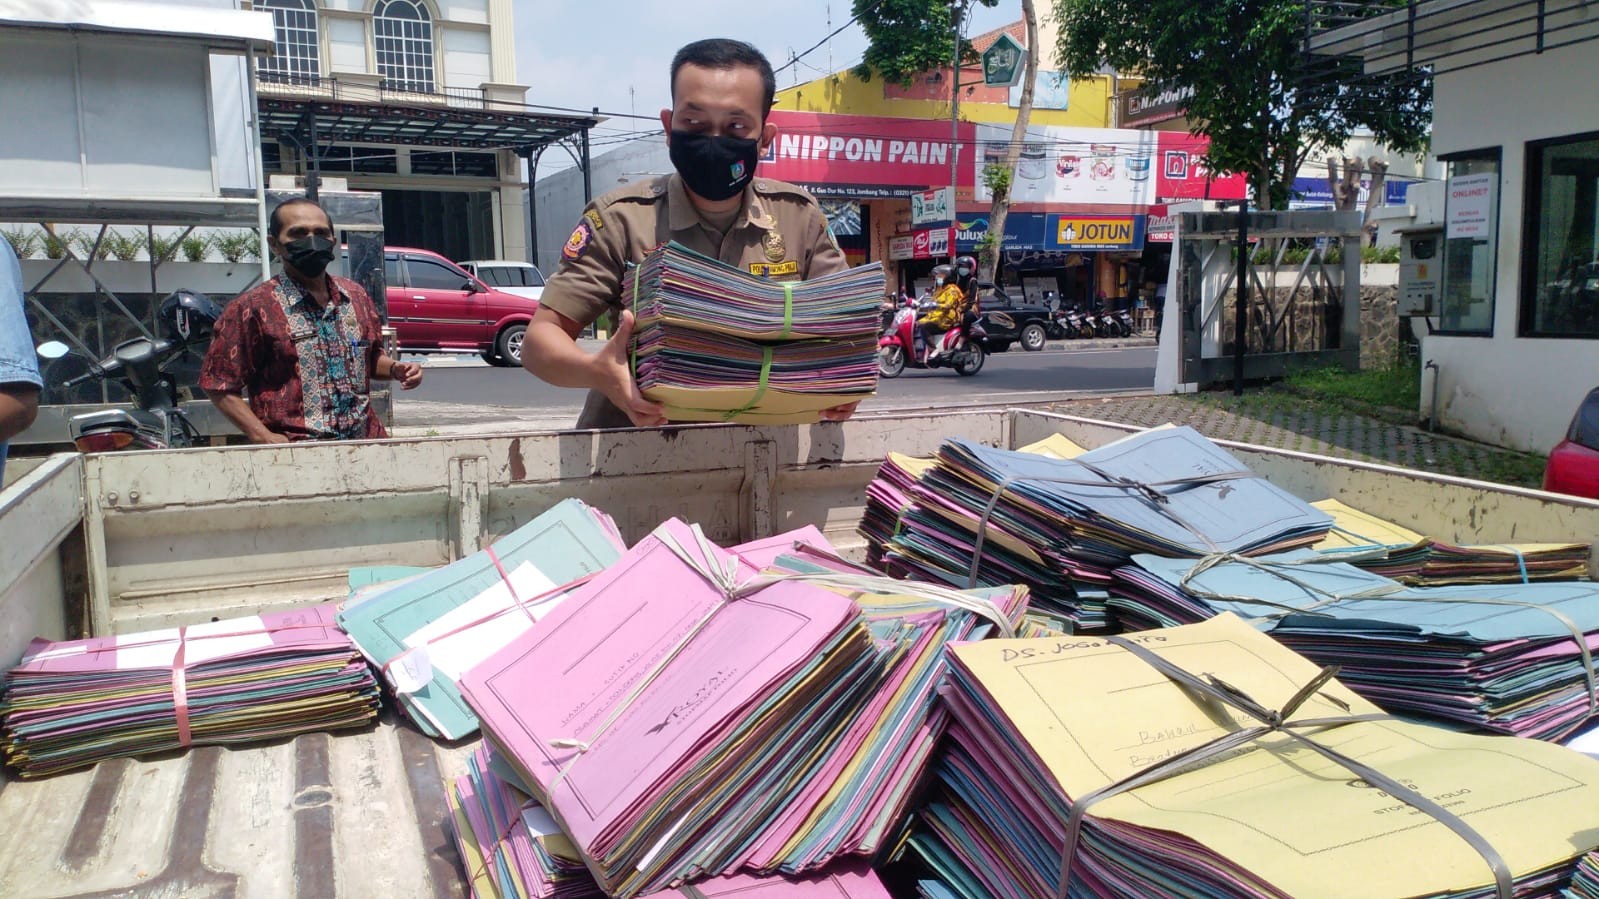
[
  {"x": 126, "y": 542},
  {"x": 1008, "y": 321}
]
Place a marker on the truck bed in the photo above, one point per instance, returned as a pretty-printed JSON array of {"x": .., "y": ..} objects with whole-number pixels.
[
  {"x": 126, "y": 542},
  {"x": 357, "y": 814}
]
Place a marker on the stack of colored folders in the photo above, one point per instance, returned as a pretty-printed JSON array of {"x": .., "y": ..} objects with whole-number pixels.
[
  {"x": 676, "y": 711},
  {"x": 847, "y": 882},
  {"x": 1500, "y": 564},
  {"x": 1585, "y": 883},
  {"x": 872, "y": 767},
  {"x": 425, "y": 630},
  {"x": 76, "y": 702},
  {"x": 714, "y": 343},
  {"x": 1400, "y": 553},
  {"x": 510, "y": 845},
  {"x": 1231, "y": 806},
  {"x": 888, "y": 496},
  {"x": 1055, "y": 523},
  {"x": 1503, "y": 657}
]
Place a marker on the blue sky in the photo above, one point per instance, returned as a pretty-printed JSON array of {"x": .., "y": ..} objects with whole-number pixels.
[{"x": 615, "y": 54}]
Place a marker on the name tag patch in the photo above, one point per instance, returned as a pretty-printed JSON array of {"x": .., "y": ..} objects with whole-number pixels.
[{"x": 774, "y": 269}]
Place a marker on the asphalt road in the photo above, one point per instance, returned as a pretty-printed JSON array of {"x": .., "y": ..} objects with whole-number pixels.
[{"x": 459, "y": 392}]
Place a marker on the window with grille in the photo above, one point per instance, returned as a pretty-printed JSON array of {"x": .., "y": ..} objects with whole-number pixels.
[
  {"x": 298, "y": 50},
  {"x": 403, "y": 33}
]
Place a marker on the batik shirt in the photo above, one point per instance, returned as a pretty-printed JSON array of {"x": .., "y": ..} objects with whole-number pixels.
[{"x": 305, "y": 370}]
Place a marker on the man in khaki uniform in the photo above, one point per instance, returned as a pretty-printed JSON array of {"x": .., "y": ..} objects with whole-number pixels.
[{"x": 721, "y": 93}]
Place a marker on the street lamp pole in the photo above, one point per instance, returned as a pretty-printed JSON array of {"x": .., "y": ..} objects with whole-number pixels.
[{"x": 958, "y": 8}]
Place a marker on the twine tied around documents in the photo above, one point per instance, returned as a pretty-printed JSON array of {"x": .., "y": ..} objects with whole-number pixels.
[
  {"x": 1272, "y": 721},
  {"x": 178, "y": 667},
  {"x": 1149, "y": 491},
  {"x": 517, "y": 603},
  {"x": 1280, "y": 569},
  {"x": 723, "y": 575}
]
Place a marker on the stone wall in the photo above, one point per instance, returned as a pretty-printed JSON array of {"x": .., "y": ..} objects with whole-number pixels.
[
  {"x": 1314, "y": 322},
  {"x": 1379, "y": 326}
]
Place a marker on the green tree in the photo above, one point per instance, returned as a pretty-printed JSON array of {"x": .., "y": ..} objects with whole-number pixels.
[
  {"x": 911, "y": 37},
  {"x": 1265, "y": 105}
]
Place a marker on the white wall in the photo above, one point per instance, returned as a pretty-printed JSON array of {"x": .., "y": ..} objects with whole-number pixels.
[
  {"x": 560, "y": 196},
  {"x": 476, "y": 11},
  {"x": 466, "y": 57},
  {"x": 140, "y": 106},
  {"x": 346, "y": 44},
  {"x": 1518, "y": 392}
]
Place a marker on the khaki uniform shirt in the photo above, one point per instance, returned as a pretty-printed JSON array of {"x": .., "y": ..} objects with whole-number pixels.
[{"x": 779, "y": 233}]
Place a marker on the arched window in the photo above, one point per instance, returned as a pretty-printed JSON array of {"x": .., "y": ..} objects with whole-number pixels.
[
  {"x": 297, "y": 51},
  {"x": 403, "y": 32}
]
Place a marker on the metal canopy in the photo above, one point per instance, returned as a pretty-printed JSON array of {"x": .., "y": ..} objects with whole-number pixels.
[
  {"x": 1432, "y": 37},
  {"x": 309, "y": 121}
]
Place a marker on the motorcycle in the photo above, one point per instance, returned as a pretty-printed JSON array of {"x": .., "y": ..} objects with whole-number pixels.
[
  {"x": 157, "y": 420},
  {"x": 1070, "y": 322},
  {"x": 901, "y": 347},
  {"x": 1121, "y": 323}
]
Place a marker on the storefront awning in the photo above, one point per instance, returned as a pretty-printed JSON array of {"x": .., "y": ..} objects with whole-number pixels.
[
  {"x": 445, "y": 124},
  {"x": 1056, "y": 232}
]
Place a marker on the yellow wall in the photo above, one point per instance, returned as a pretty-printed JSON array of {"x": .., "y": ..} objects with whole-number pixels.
[{"x": 845, "y": 93}]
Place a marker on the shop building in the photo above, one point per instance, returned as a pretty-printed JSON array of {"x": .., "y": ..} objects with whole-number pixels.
[
  {"x": 416, "y": 100},
  {"x": 1513, "y": 342}
]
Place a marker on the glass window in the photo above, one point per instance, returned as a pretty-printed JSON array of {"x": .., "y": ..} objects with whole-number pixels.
[
  {"x": 298, "y": 48},
  {"x": 1585, "y": 424},
  {"x": 471, "y": 165},
  {"x": 429, "y": 275},
  {"x": 532, "y": 277},
  {"x": 1471, "y": 244},
  {"x": 494, "y": 275},
  {"x": 1560, "y": 262},
  {"x": 376, "y": 160},
  {"x": 402, "y": 33},
  {"x": 391, "y": 271}
]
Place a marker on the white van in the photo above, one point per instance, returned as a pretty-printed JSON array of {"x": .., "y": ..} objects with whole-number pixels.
[{"x": 521, "y": 278}]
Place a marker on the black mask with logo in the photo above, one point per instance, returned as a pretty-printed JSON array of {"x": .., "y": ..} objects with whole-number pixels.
[
  {"x": 715, "y": 167},
  {"x": 309, "y": 255}
]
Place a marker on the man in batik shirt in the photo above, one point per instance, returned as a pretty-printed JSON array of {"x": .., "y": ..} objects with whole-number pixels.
[{"x": 294, "y": 358}]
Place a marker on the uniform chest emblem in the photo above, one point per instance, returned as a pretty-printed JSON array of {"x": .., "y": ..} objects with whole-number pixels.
[{"x": 774, "y": 247}]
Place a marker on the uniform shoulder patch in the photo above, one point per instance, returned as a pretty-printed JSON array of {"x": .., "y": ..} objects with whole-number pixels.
[
  {"x": 592, "y": 216},
  {"x": 579, "y": 241},
  {"x": 773, "y": 186}
]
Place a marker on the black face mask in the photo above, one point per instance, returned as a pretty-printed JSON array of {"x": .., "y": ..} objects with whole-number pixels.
[
  {"x": 715, "y": 167},
  {"x": 310, "y": 255}
]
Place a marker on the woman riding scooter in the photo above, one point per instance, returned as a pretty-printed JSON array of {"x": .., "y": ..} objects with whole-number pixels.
[{"x": 952, "y": 295}]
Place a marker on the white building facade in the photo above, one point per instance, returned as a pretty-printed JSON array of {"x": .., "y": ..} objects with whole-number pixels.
[
  {"x": 1514, "y": 341},
  {"x": 415, "y": 99}
]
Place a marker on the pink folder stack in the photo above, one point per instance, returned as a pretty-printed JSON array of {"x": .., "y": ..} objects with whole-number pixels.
[
  {"x": 76, "y": 702},
  {"x": 671, "y": 708}
]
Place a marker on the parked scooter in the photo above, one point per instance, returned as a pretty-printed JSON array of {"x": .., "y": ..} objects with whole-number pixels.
[
  {"x": 1070, "y": 322},
  {"x": 1121, "y": 323},
  {"x": 960, "y": 348},
  {"x": 157, "y": 420}
]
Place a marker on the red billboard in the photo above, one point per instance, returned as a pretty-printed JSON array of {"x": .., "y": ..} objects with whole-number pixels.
[
  {"x": 863, "y": 156},
  {"x": 1181, "y": 173}
]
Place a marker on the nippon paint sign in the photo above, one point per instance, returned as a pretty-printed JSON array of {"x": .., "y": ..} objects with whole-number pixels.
[{"x": 876, "y": 152}]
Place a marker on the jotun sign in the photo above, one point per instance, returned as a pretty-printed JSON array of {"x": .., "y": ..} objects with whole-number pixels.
[{"x": 1096, "y": 232}]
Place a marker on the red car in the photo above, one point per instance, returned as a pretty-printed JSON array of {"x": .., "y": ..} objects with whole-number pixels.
[
  {"x": 1573, "y": 466},
  {"x": 435, "y": 306}
]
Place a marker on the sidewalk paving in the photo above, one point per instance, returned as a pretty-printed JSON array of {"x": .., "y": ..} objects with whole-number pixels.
[{"x": 1308, "y": 428}]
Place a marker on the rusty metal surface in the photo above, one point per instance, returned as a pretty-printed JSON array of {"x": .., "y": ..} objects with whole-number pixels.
[{"x": 358, "y": 814}]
